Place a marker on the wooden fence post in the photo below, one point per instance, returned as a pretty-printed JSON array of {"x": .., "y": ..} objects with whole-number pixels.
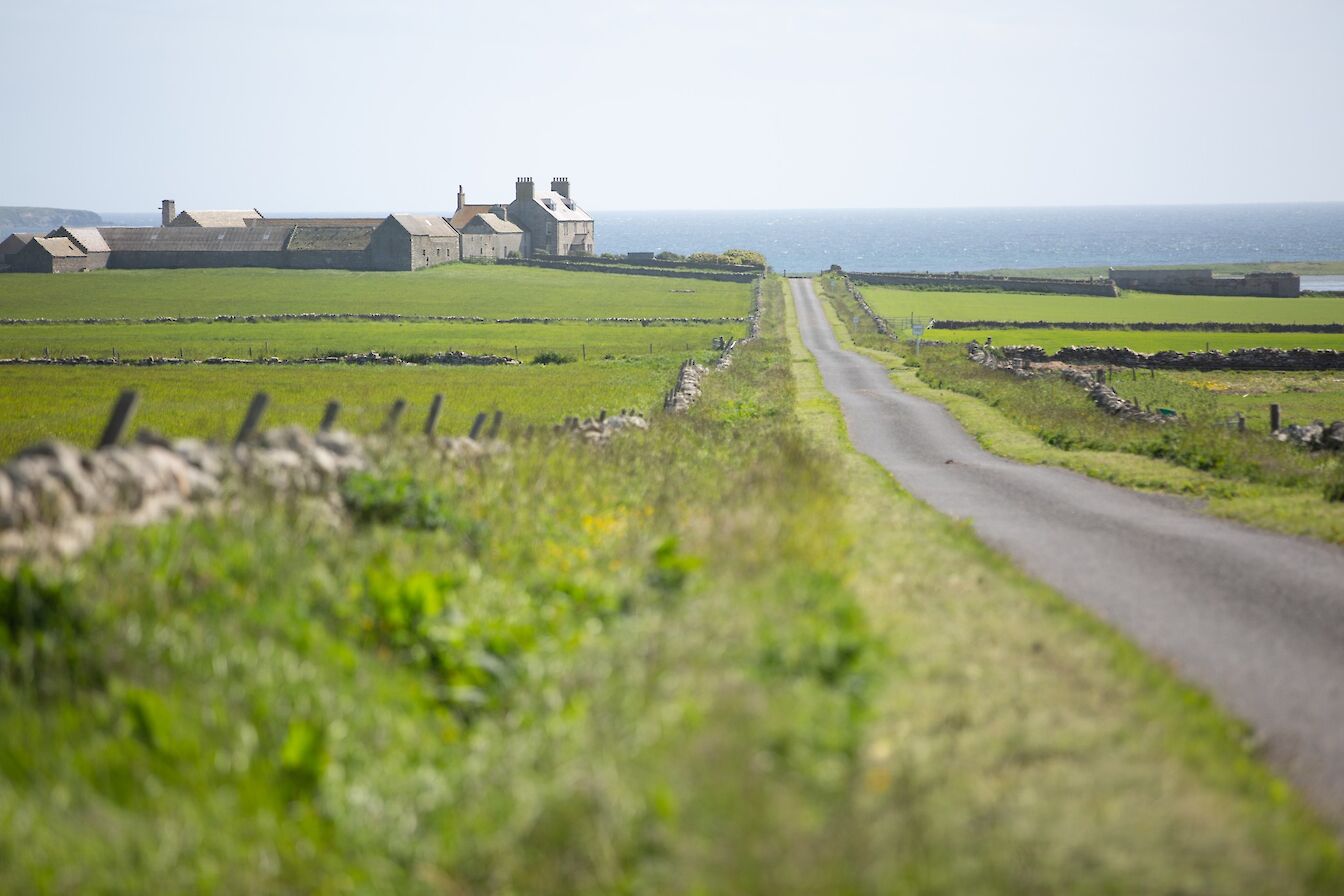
[
  {"x": 394, "y": 416},
  {"x": 477, "y": 424},
  {"x": 432, "y": 421},
  {"x": 494, "y": 425},
  {"x": 123, "y": 409},
  {"x": 329, "y": 416},
  {"x": 1274, "y": 420},
  {"x": 252, "y": 418}
]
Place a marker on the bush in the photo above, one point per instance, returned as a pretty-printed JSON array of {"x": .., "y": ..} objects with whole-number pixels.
[
  {"x": 743, "y": 256},
  {"x": 705, "y": 258},
  {"x": 553, "y": 358},
  {"x": 669, "y": 256}
]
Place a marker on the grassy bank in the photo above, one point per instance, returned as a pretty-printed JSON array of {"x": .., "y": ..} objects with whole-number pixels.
[
  {"x": 456, "y": 289},
  {"x": 639, "y": 669},
  {"x": 1243, "y": 477}
]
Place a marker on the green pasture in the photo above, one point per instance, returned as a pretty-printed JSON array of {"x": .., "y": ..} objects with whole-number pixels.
[
  {"x": 306, "y": 339},
  {"x": 208, "y": 402},
  {"x": 1301, "y": 396},
  {"x": 894, "y": 303},
  {"x": 490, "y": 291},
  {"x": 1306, "y": 268},
  {"x": 1139, "y": 340}
]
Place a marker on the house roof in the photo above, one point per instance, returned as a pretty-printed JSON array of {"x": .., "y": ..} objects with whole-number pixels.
[
  {"x": 314, "y": 222},
  {"x": 86, "y": 238},
  {"x": 354, "y": 238},
  {"x": 559, "y": 208},
  {"x": 216, "y": 218},
  {"x": 59, "y": 247},
  {"x": 491, "y": 223},
  {"x": 196, "y": 239},
  {"x": 15, "y": 241},
  {"x": 424, "y": 225},
  {"x": 466, "y": 213}
]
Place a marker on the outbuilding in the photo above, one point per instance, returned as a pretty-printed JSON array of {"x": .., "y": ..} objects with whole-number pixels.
[
  {"x": 487, "y": 235},
  {"x": 49, "y": 255}
]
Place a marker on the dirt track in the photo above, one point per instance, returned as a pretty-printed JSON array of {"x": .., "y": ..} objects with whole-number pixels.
[{"x": 1255, "y": 618}]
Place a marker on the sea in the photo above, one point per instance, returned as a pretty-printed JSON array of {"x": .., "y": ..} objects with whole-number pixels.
[{"x": 976, "y": 239}]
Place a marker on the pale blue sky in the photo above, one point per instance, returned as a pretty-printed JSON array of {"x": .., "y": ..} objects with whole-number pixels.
[{"x": 334, "y": 105}]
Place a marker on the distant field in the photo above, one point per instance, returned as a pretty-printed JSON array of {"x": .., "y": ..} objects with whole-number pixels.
[
  {"x": 1143, "y": 340},
  {"x": 72, "y": 402},
  {"x": 894, "y": 303},
  {"x": 458, "y": 289},
  {"x": 1308, "y": 268},
  {"x": 1301, "y": 396},
  {"x": 302, "y": 339}
]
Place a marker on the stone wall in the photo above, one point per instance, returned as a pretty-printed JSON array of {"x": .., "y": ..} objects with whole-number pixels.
[
  {"x": 1237, "y": 359},
  {"x": 1202, "y": 282},
  {"x": 1203, "y": 327},
  {"x": 985, "y": 282}
]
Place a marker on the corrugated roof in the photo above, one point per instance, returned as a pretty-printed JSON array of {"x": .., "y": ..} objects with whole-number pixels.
[
  {"x": 87, "y": 238},
  {"x": 559, "y": 208},
  {"x": 16, "y": 241},
  {"x": 59, "y": 247},
  {"x": 491, "y": 222},
  {"x": 216, "y": 218},
  {"x": 196, "y": 239},
  {"x": 424, "y": 225},
  {"x": 466, "y": 213},
  {"x": 331, "y": 238}
]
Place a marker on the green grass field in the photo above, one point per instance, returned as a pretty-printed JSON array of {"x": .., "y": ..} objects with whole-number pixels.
[
  {"x": 1139, "y": 340},
  {"x": 1302, "y": 396},
  {"x": 492, "y": 291},
  {"x": 895, "y": 303},
  {"x": 305, "y": 339},
  {"x": 208, "y": 402},
  {"x": 1307, "y": 268}
]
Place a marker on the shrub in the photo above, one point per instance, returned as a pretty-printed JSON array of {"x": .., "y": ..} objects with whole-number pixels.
[
  {"x": 669, "y": 256},
  {"x": 553, "y": 358}
]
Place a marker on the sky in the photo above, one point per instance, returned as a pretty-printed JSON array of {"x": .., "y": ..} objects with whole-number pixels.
[{"x": 341, "y": 106}]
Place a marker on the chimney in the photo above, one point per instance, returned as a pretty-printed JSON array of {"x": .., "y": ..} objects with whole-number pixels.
[
  {"x": 169, "y": 209},
  {"x": 526, "y": 192},
  {"x": 461, "y": 198},
  {"x": 560, "y": 185}
]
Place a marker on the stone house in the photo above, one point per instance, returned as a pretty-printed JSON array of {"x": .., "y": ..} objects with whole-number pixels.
[
  {"x": 49, "y": 255},
  {"x": 487, "y": 235},
  {"x": 412, "y": 242},
  {"x": 11, "y": 246},
  {"x": 554, "y": 223}
]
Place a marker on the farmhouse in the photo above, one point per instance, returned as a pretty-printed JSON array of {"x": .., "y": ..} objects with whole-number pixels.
[{"x": 247, "y": 238}]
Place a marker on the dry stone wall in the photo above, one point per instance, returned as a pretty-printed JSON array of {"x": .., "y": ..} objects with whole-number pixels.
[
  {"x": 1237, "y": 359},
  {"x": 984, "y": 282}
]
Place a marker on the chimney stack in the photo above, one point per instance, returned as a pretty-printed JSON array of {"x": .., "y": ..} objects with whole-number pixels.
[
  {"x": 560, "y": 185},
  {"x": 525, "y": 190},
  {"x": 169, "y": 209},
  {"x": 461, "y": 198}
]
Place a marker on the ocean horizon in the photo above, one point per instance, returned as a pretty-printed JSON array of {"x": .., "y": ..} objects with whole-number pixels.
[{"x": 973, "y": 239}]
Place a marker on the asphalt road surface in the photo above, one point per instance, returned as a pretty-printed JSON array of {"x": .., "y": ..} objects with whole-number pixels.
[{"x": 1255, "y": 618}]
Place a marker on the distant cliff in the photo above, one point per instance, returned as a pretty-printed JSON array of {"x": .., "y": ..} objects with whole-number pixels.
[{"x": 26, "y": 219}]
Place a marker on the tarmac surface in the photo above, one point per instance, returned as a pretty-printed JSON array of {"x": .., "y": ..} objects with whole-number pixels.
[{"x": 1254, "y": 618}]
